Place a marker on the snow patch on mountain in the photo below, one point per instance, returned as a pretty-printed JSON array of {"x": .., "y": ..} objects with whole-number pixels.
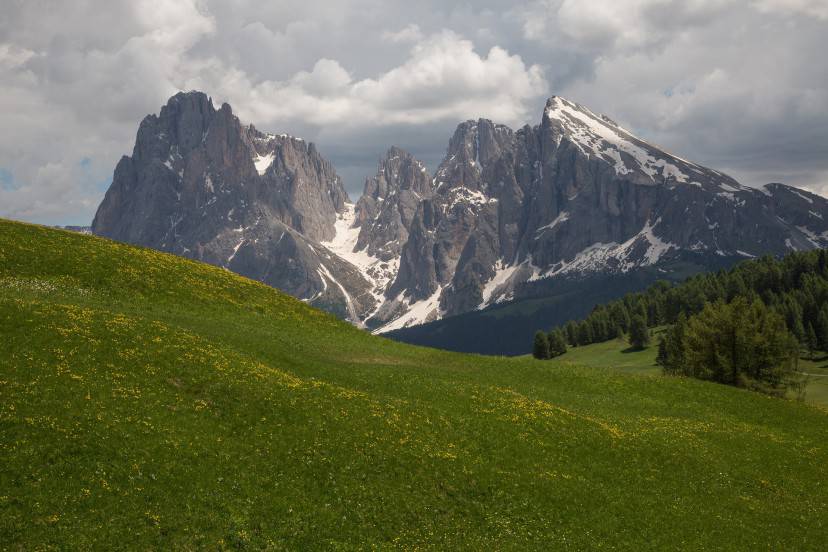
[
  {"x": 806, "y": 198},
  {"x": 818, "y": 240},
  {"x": 620, "y": 257},
  {"x": 235, "y": 250},
  {"x": 599, "y": 136},
  {"x": 377, "y": 271},
  {"x": 562, "y": 216},
  {"x": 494, "y": 288},
  {"x": 349, "y": 303},
  {"x": 419, "y": 312},
  {"x": 262, "y": 162},
  {"x": 465, "y": 196}
]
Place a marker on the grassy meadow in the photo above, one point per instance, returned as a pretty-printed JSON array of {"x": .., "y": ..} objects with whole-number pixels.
[
  {"x": 617, "y": 355},
  {"x": 151, "y": 402}
]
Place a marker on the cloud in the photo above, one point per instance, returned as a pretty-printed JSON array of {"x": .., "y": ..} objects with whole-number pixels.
[
  {"x": 409, "y": 33},
  {"x": 601, "y": 26},
  {"x": 809, "y": 8},
  {"x": 739, "y": 85},
  {"x": 74, "y": 99},
  {"x": 735, "y": 85},
  {"x": 12, "y": 56},
  {"x": 443, "y": 78}
]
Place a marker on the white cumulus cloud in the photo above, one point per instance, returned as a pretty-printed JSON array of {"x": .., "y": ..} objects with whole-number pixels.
[{"x": 443, "y": 78}]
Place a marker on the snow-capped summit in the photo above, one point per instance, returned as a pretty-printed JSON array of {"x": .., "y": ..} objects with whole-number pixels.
[
  {"x": 578, "y": 194},
  {"x": 600, "y": 137}
]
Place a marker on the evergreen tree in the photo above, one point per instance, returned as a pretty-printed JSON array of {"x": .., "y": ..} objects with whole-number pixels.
[
  {"x": 571, "y": 330},
  {"x": 585, "y": 336},
  {"x": 540, "y": 348},
  {"x": 671, "y": 347},
  {"x": 653, "y": 313},
  {"x": 661, "y": 357},
  {"x": 793, "y": 318},
  {"x": 620, "y": 318},
  {"x": 811, "y": 341},
  {"x": 736, "y": 287},
  {"x": 639, "y": 333},
  {"x": 796, "y": 287},
  {"x": 557, "y": 343},
  {"x": 798, "y": 329},
  {"x": 743, "y": 344},
  {"x": 822, "y": 327}
]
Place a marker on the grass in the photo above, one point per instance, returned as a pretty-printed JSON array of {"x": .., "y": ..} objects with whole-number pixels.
[
  {"x": 150, "y": 402},
  {"x": 816, "y": 387},
  {"x": 617, "y": 355}
]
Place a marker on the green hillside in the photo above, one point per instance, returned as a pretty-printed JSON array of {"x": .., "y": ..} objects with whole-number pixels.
[
  {"x": 150, "y": 402},
  {"x": 617, "y": 355}
]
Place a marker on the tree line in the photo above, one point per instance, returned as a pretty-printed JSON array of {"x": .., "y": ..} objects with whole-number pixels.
[{"x": 782, "y": 303}]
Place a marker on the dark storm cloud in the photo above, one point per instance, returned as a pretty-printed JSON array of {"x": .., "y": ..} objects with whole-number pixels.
[{"x": 739, "y": 85}]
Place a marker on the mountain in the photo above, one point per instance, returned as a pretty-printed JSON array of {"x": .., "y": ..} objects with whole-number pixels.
[
  {"x": 579, "y": 195},
  {"x": 202, "y": 185},
  {"x": 172, "y": 405},
  {"x": 507, "y": 216}
]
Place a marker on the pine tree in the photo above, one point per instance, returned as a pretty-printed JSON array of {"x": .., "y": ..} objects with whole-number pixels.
[
  {"x": 571, "y": 330},
  {"x": 585, "y": 335},
  {"x": 742, "y": 343},
  {"x": 795, "y": 287},
  {"x": 822, "y": 328},
  {"x": 620, "y": 318},
  {"x": 639, "y": 333},
  {"x": 811, "y": 341},
  {"x": 561, "y": 342},
  {"x": 671, "y": 347},
  {"x": 736, "y": 287},
  {"x": 793, "y": 318},
  {"x": 540, "y": 348},
  {"x": 798, "y": 329},
  {"x": 661, "y": 357},
  {"x": 557, "y": 343}
]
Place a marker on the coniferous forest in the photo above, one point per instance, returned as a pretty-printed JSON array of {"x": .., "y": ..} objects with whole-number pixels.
[{"x": 745, "y": 326}]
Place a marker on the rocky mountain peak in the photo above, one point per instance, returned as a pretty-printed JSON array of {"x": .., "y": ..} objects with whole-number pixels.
[
  {"x": 202, "y": 185},
  {"x": 597, "y": 137},
  {"x": 398, "y": 170},
  {"x": 506, "y": 212},
  {"x": 472, "y": 149},
  {"x": 388, "y": 204}
]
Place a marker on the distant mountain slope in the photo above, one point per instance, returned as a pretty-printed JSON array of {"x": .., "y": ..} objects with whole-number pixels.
[
  {"x": 575, "y": 195},
  {"x": 501, "y": 328},
  {"x": 152, "y": 402}
]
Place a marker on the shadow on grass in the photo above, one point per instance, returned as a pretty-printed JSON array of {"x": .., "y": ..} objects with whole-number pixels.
[{"x": 632, "y": 349}]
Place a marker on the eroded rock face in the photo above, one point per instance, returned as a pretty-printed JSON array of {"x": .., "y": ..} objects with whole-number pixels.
[
  {"x": 576, "y": 194},
  {"x": 202, "y": 185},
  {"x": 387, "y": 207}
]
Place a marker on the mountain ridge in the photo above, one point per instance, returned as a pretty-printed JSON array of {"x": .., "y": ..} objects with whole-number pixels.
[{"x": 574, "y": 195}]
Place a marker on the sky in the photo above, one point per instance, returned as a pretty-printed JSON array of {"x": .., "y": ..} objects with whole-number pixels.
[{"x": 737, "y": 85}]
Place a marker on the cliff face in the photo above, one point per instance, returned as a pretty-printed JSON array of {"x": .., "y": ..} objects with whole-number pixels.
[
  {"x": 575, "y": 195},
  {"x": 202, "y": 185}
]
